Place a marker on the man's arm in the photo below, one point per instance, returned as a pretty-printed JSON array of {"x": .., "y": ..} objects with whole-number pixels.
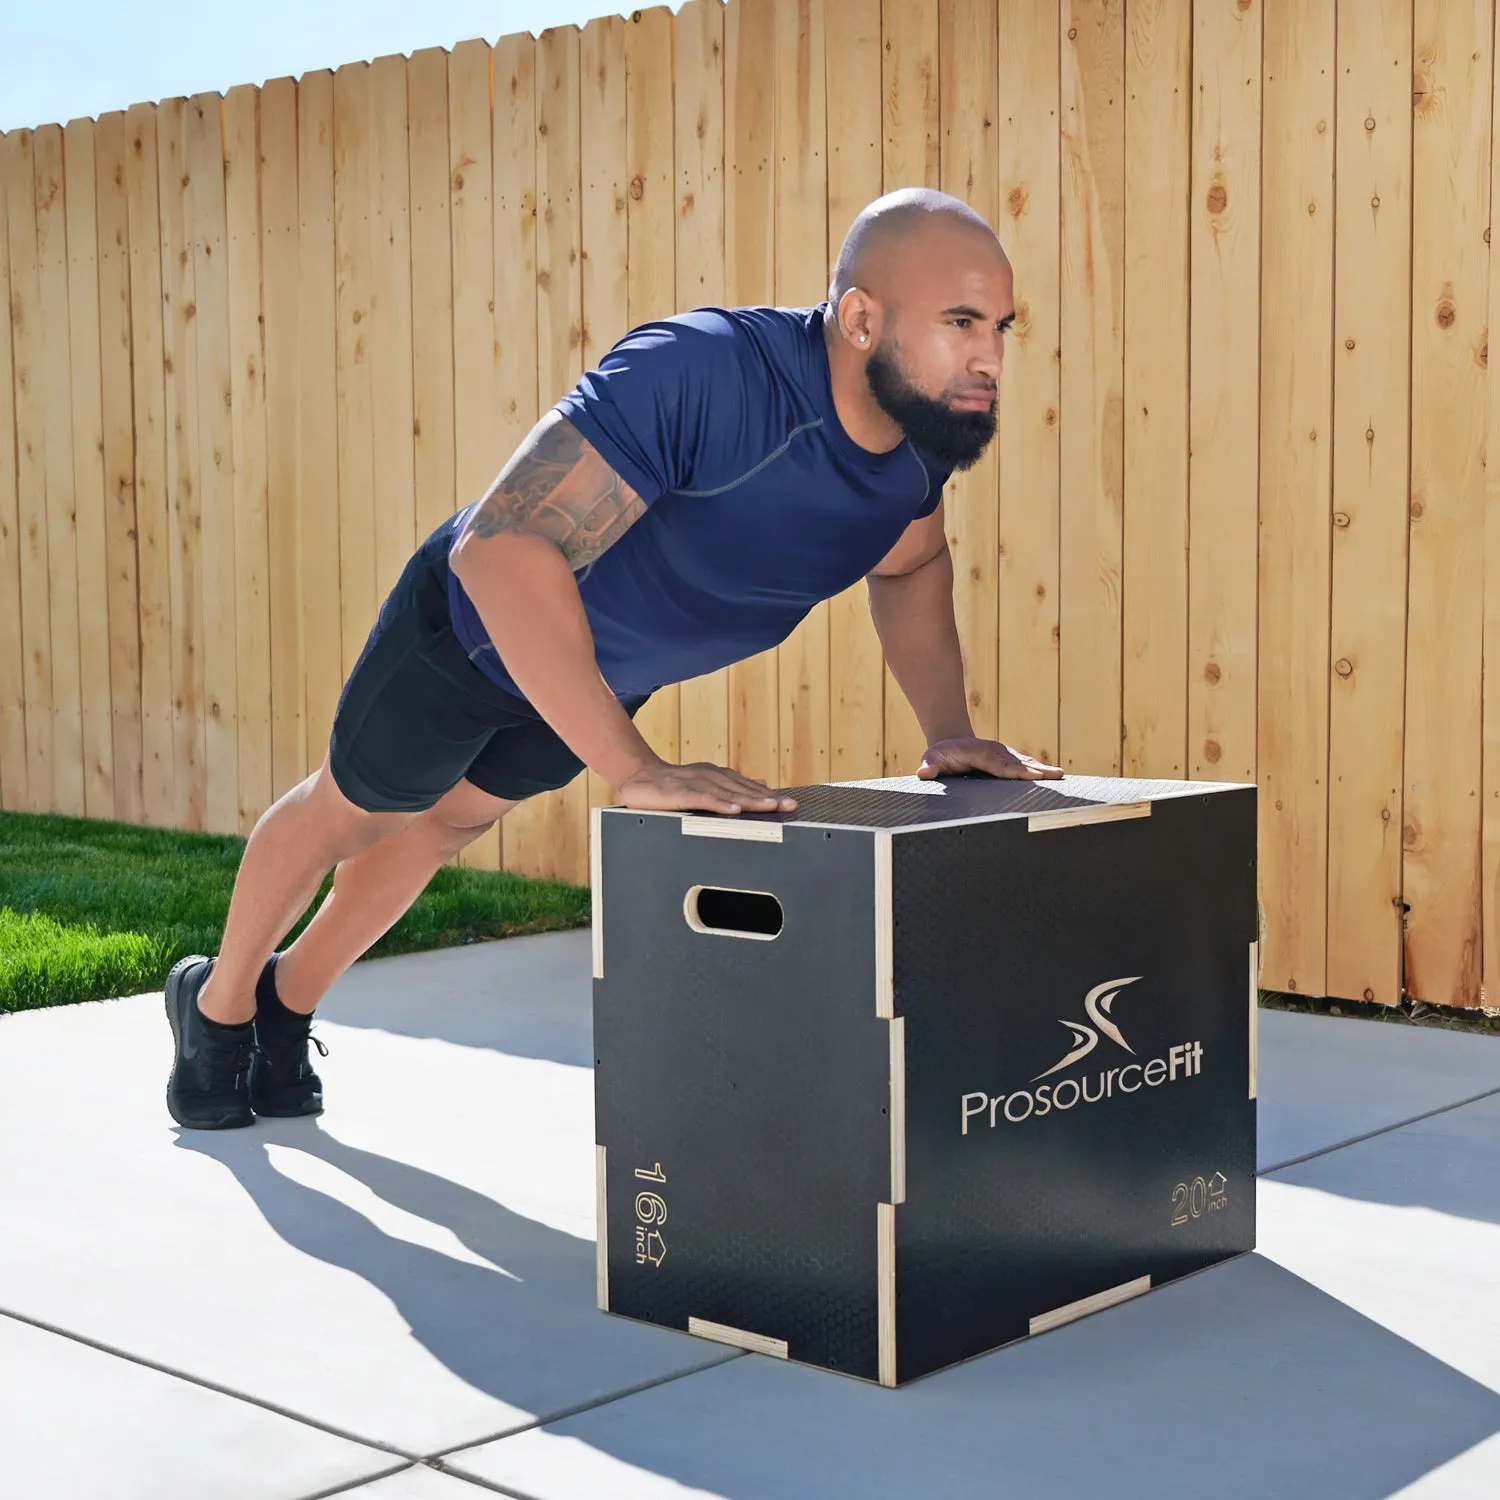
[
  {"x": 557, "y": 506},
  {"x": 911, "y": 601}
]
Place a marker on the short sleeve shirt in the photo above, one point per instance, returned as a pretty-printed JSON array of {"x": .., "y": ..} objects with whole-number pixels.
[{"x": 758, "y": 504}]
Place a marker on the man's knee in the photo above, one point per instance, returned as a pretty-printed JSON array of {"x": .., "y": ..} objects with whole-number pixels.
[{"x": 462, "y": 815}]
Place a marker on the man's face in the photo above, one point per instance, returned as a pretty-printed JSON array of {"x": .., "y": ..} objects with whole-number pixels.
[{"x": 936, "y": 370}]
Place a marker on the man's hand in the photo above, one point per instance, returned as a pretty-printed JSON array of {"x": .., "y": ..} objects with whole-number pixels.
[
  {"x": 951, "y": 757},
  {"x": 700, "y": 787}
]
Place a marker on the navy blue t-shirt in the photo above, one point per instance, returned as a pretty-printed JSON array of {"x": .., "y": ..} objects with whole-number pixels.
[{"x": 759, "y": 504}]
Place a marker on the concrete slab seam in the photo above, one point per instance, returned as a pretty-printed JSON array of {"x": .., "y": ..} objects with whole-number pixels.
[
  {"x": 1370, "y": 1135},
  {"x": 209, "y": 1385},
  {"x": 350, "y": 1485},
  {"x": 440, "y": 1455}
]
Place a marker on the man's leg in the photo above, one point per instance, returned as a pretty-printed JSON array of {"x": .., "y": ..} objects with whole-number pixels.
[
  {"x": 373, "y": 889},
  {"x": 297, "y": 841}
]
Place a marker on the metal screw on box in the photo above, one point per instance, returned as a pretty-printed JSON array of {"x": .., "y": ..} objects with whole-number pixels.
[{"x": 922, "y": 1068}]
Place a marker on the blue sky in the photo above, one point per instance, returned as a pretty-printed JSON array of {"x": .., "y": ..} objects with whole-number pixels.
[{"x": 59, "y": 61}]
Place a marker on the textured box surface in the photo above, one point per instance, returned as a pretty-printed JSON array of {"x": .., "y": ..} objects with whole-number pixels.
[{"x": 923, "y": 1067}]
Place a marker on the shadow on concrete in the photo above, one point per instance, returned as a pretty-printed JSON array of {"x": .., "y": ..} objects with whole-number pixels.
[
  {"x": 527, "y": 997},
  {"x": 527, "y": 1333},
  {"x": 1448, "y": 1162},
  {"x": 1243, "y": 1383}
]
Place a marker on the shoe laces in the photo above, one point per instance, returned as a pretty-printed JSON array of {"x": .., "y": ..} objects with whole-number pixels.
[{"x": 285, "y": 1043}]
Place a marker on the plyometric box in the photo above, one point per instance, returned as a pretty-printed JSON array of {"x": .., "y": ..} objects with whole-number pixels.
[{"x": 922, "y": 1068}]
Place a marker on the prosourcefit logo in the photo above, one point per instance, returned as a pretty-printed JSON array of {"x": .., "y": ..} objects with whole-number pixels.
[{"x": 1183, "y": 1061}]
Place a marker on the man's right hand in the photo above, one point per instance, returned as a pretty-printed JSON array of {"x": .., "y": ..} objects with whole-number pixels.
[{"x": 700, "y": 787}]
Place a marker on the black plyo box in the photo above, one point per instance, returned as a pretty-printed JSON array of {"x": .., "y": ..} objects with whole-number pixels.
[{"x": 922, "y": 1068}]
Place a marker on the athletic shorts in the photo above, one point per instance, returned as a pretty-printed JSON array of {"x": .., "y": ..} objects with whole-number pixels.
[{"x": 417, "y": 716}]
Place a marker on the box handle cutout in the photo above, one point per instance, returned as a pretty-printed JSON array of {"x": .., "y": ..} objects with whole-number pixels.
[{"x": 731, "y": 913}]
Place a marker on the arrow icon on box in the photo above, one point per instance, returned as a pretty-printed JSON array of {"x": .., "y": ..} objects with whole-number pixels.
[
  {"x": 656, "y": 1248},
  {"x": 1216, "y": 1185}
]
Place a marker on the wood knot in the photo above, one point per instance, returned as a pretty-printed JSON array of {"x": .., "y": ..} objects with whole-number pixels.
[
  {"x": 1418, "y": 510},
  {"x": 637, "y": 188},
  {"x": 1242, "y": 6},
  {"x": 1369, "y": 994},
  {"x": 1446, "y": 313},
  {"x": 1072, "y": 33},
  {"x": 1051, "y": 417},
  {"x": 1212, "y": 672},
  {"x": 1348, "y": 343},
  {"x": 1369, "y": 122},
  {"x": 1211, "y": 752},
  {"x": 358, "y": 318},
  {"x": 1016, "y": 202},
  {"x": 1218, "y": 198},
  {"x": 1344, "y": 667},
  {"x": 1041, "y": 591},
  {"x": 1340, "y": 519}
]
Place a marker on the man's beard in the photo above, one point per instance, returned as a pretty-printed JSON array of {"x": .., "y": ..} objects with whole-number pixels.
[{"x": 956, "y": 439}]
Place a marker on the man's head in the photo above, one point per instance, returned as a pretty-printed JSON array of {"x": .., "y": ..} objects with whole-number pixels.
[{"x": 923, "y": 291}]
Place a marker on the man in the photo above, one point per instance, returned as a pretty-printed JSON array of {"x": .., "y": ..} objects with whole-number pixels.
[{"x": 683, "y": 507}]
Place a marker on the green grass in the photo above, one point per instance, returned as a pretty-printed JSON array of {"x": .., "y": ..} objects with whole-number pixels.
[{"x": 90, "y": 910}]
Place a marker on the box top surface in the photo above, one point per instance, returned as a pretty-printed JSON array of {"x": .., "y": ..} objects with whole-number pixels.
[{"x": 910, "y": 802}]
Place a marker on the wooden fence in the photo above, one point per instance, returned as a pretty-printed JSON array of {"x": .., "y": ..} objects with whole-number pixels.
[{"x": 1235, "y": 526}]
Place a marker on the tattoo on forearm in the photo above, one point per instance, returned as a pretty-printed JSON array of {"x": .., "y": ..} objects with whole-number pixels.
[{"x": 560, "y": 488}]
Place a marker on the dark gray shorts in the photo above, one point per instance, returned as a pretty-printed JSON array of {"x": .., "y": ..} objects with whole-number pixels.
[{"x": 417, "y": 716}]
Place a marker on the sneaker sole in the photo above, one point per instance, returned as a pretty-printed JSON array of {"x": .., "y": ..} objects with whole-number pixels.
[{"x": 218, "y": 1122}]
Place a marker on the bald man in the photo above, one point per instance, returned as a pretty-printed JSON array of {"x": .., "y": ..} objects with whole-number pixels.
[{"x": 683, "y": 507}]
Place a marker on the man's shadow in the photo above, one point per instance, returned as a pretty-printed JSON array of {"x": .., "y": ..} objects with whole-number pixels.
[{"x": 480, "y": 1323}]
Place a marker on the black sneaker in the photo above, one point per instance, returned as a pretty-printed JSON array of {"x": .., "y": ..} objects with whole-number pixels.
[
  {"x": 209, "y": 1085},
  {"x": 282, "y": 1081}
]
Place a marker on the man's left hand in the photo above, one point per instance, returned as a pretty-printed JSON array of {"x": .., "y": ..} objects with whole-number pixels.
[{"x": 952, "y": 757}]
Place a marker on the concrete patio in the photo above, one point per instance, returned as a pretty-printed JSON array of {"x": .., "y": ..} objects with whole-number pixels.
[{"x": 396, "y": 1302}]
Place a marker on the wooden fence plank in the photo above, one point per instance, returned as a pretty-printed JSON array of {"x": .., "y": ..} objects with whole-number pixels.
[
  {"x": 1158, "y": 163},
  {"x": 1490, "y": 750},
  {"x": 912, "y": 143},
  {"x": 86, "y": 406},
  {"x": 14, "y": 788},
  {"x": 55, "y": 388},
  {"x": 317, "y": 411},
  {"x": 698, "y": 91},
  {"x": 1223, "y": 410},
  {"x": 431, "y": 291},
  {"x": 969, "y": 101},
  {"x": 651, "y": 262},
  {"x": 184, "y": 516},
  {"x": 205, "y": 208},
  {"x": 800, "y": 278},
  {"x": 390, "y": 344},
  {"x": 28, "y": 333},
  {"x": 152, "y": 521},
  {"x": 279, "y": 261},
  {"x": 1445, "y": 624},
  {"x": 556, "y": 825},
  {"x": 1093, "y": 364},
  {"x": 856, "y": 740},
  {"x": 1030, "y": 396},
  {"x": 749, "y": 251},
  {"x": 515, "y": 268},
  {"x": 516, "y": 271},
  {"x": 353, "y": 235},
  {"x": 1296, "y": 501},
  {"x": 478, "y": 306},
  {"x": 605, "y": 195},
  {"x": 1371, "y": 474},
  {"x": 251, "y": 503},
  {"x": 122, "y": 601}
]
